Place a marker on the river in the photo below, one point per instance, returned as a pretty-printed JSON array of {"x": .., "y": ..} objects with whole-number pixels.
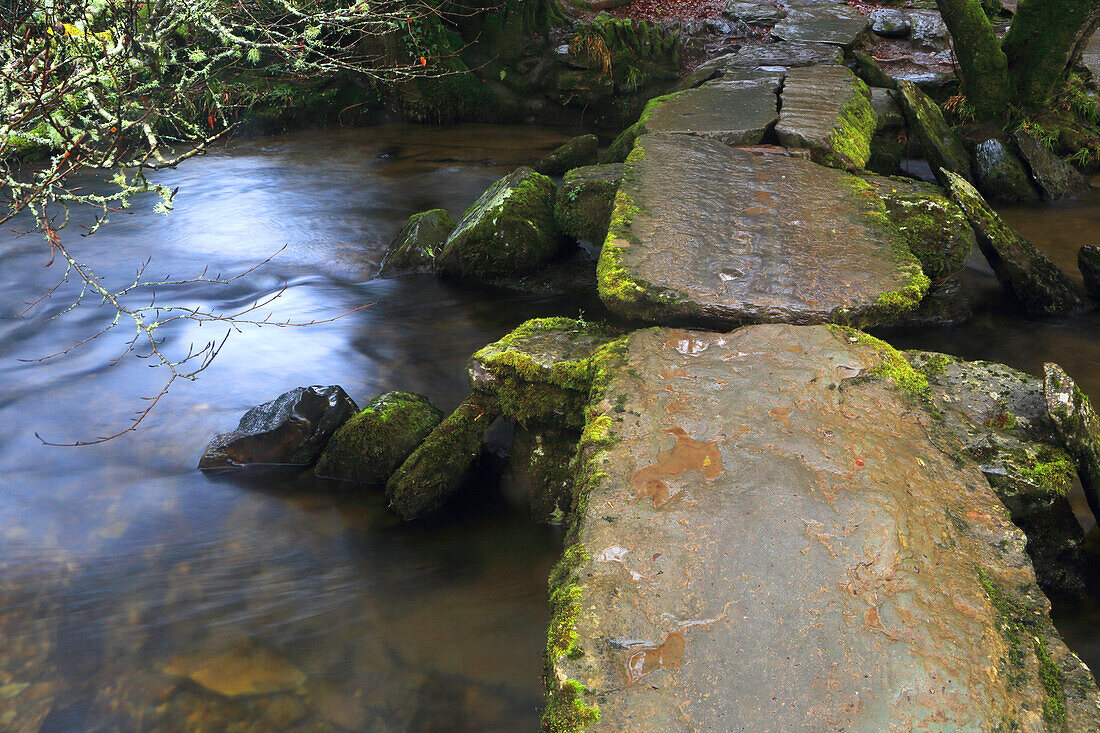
[{"x": 125, "y": 575}]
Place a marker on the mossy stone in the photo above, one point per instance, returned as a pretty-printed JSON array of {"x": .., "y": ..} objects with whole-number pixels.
[
  {"x": 583, "y": 205},
  {"x": 933, "y": 226},
  {"x": 1088, "y": 262},
  {"x": 941, "y": 146},
  {"x": 579, "y": 151},
  {"x": 416, "y": 246},
  {"x": 369, "y": 447},
  {"x": 437, "y": 469},
  {"x": 509, "y": 230},
  {"x": 541, "y": 465}
]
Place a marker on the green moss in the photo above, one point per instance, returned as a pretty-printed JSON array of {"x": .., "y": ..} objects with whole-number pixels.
[
  {"x": 893, "y": 367},
  {"x": 566, "y": 711},
  {"x": 850, "y": 143},
  {"x": 936, "y": 365},
  {"x": 585, "y": 201},
  {"x": 1024, "y": 632},
  {"x": 1050, "y": 471}
]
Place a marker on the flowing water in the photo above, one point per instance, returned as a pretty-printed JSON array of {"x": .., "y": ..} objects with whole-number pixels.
[{"x": 130, "y": 584}]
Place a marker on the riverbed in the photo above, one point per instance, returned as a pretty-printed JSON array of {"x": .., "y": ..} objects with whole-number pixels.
[{"x": 130, "y": 583}]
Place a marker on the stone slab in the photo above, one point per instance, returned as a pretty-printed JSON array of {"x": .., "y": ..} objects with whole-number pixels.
[
  {"x": 822, "y": 23},
  {"x": 705, "y": 233},
  {"x": 828, "y": 110},
  {"x": 737, "y": 110},
  {"x": 773, "y": 542}
]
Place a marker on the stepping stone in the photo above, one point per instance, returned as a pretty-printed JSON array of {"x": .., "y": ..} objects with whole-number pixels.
[
  {"x": 828, "y": 110},
  {"x": 736, "y": 110},
  {"x": 772, "y": 541},
  {"x": 822, "y": 23},
  {"x": 774, "y": 57},
  {"x": 705, "y": 233}
]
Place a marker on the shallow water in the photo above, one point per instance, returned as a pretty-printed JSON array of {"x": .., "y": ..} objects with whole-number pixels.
[{"x": 125, "y": 575}]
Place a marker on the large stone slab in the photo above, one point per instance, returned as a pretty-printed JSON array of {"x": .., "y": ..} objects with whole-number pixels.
[
  {"x": 705, "y": 233},
  {"x": 736, "y": 110},
  {"x": 828, "y": 110},
  {"x": 771, "y": 541},
  {"x": 822, "y": 23}
]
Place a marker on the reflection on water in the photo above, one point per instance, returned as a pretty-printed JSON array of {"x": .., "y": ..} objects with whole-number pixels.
[
  {"x": 999, "y": 333},
  {"x": 137, "y": 594}
]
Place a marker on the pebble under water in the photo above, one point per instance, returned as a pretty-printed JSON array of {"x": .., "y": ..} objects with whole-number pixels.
[{"x": 136, "y": 593}]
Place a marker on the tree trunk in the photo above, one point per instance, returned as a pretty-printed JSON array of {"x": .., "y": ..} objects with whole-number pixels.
[
  {"x": 1045, "y": 37},
  {"x": 983, "y": 66}
]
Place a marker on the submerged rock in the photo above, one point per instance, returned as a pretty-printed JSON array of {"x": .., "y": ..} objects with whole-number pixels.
[
  {"x": 1088, "y": 262},
  {"x": 999, "y": 414},
  {"x": 935, "y": 229},
  {"x": 437, "y": 469},
  {"x": 509, "y": 230},
  {"x": 419, "y": 242},
  {"x": 1001, "y": 175},
  {"x": 582, "y": 208},
  {"x": 887, "y": 566},
  {"x": 579, "y": 151},
  {"x": 291, "y": 429},
  {"x": 705, "y": 233},
  {"x": 1026, "y": 273},
  {"x": 369, "y": 447},
  {"x": 941, "y": 146},
  {"x": 1078, "y": 426},
  {"x": 541, "y": 371},
  {"x": 828, "y": 110},
  {"x": 1057, "y": 178},
  {"x": 242, "y": 671}
]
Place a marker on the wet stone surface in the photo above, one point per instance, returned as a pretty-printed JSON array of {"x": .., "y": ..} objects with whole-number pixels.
[
  {"x": 828, "y": 110},
  {"x": 769, "y": 519},
  {"x": 822, "y": 23},
  {"x": 736, "y": 109},
  {"x": 704, "y": 233}
]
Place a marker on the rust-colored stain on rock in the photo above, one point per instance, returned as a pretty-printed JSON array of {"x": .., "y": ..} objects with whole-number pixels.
[
  {"x": 670, "y": 655},
  {"x": 687, "y": 455}
]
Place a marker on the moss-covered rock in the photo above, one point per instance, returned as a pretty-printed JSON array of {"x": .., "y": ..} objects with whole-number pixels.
[
  {"x": 939, "y": 143},
  {"x": 947, "y": 303},
  {"x": 1078, "y": 427},
  {"x": 509, "y": 230},
  {"x": 1057, "y": 178},
  {"x": 583, "y": 205},
  {"x": 540, "y": 372},
  {"x": 437, "y": 469},
  {"x": 870, "y": 72},
  {"x": 999, "y": 416},
  {"x": 1031, "y": 279},
  {"x": 369, "y": 447},
  {"x": 827, "y": 109},
  {"x": 416, "y": 246},
  {"x": 1000, "y": 174},
  {"x": 541, "y": 466},
  {"x": 579, "y": 151},
  {"x": 933, "y": 226}
]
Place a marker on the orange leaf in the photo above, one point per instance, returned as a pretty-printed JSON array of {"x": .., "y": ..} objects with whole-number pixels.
[{"x": 423, "y": 61}]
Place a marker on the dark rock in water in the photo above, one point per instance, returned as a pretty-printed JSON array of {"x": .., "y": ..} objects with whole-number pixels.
[
  {"x": 887, "y": 109},
  {"x": 1078, "y": 426},
  {"x": 890, "y": 23},
  {"x": 542, "y": 469},
  {"x": 437, "y": 469},
  {"x": 827, "y": 109},
  {"x": 941, "y": 146},
  {"x": 753, "y": 13},
  {"x": 880, "y": 564},
  {"x": 579, "y": 151},
  {"x": 540, "y": 372},
  {"x": 419, "y": 242},
  {"x": 933, "y": 226},
  {"x": 369, "y": 447},
  {"x": 583, "y": 205},
  {"x": 999, "y": 414},
  {"x": 1001, "y": 176},
  {"x": 1030, "y": 278},
  {"x": 291, "y": 429},
  {"x": 390, "y": 151},
  {"x": 822, "y": 23},
  {"x": 1088, "y": 262},
  {"x": 706, "y": 233},
  {"x": 1057, "y": 178},
  {"x": 946, "y": 304},
  {"x": 509, "y": 230}
]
